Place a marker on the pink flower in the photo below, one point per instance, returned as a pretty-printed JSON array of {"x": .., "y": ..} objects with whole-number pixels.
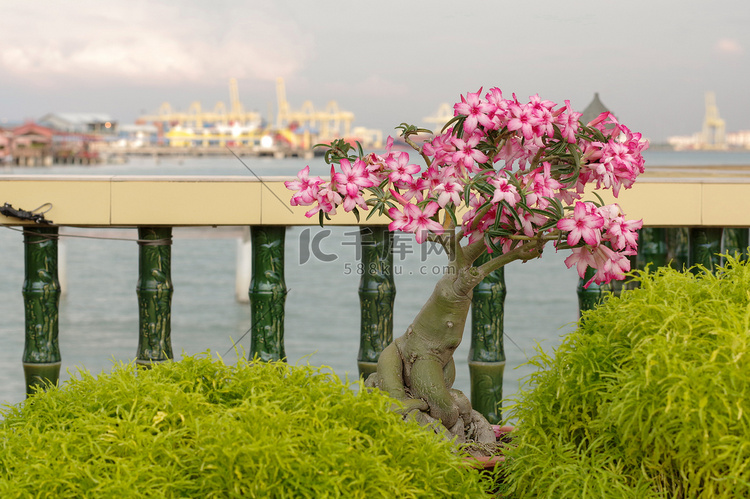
[
  {"x": 582, "y": 258},
  {"x": 448, "y": 192},
  {"x": 307, "y": 188},
  {"x": 597, "y": 122},
  {"x": 412, "y": 219},
  {"x": 610, "y": 265},
  {"x": 543, "y": 185},
  {"x": 568, "y": 120},
  {"x": 327, "y": 199},
  {"x": 614, "y": 268},
  {"x": 623, "y": 234},
  {"x": 523, "y": 119},
  {"x": 434, "y": 176},
  {"x": 500, "y": 113},
  {"x": 400, "y": 169},
  {"x": 440, "y": 148},
  {"x": 350, "y": 202},
  {"x": 515, "y": 151},
  {"x": 530, "y": 222},
  {"x": 416, "y": 189},
  {"x": 544, "y": 118},
  {"x": 376, "y": 168},
  {"x": 476, "y": 111},
  {"x": 504, "y": 191},
  {"x": 398, "y": 197},
  {"x": 400, "y": 219},
  {"x": 616, "y": 163},
  {"x": 584, "y": 224},
  {"x": 352, "y": 178},
  {"x": 421, "y": 222},
  {"x": 466, "y": 154}
]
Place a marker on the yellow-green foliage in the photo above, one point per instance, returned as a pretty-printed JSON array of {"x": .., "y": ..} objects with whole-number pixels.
[
  {"x": 650, "y": 397},
  {"x": 200, "y": 428}
]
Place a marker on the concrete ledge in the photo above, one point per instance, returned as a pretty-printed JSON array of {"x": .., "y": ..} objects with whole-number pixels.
[{"x": 128, "y": 201}]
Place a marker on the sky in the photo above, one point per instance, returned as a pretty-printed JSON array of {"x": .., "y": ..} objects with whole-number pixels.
[{"x": 651, "y": 61}]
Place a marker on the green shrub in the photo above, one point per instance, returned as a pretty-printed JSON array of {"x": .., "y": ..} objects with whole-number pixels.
[
  {"x": 650, "y": 397},
  {"x": 200, "y": 428}
]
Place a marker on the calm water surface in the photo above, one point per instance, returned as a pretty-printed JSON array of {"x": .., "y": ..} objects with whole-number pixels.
[{"x": 99, "y": 313}]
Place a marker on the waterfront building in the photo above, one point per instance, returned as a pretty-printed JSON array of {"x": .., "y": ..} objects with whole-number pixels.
[
  {"x": 29, "y": 144},
  {"x": 740, "y": 139},
  {"x": 32, "y": 144},
  {"x": 86, "y": 123},
  {"x": 137, "y": 135}
]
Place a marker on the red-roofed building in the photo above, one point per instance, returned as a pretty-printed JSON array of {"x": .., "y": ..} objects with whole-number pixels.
[{"x": 32, "y": 144}]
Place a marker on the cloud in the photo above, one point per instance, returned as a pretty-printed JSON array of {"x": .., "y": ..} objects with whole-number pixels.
[
  {"x": 147, "y": 43},
  {"x": 155, "y": 59},
  {"x": 728, "y": 46},
  {"x": 372, "y": 86}
]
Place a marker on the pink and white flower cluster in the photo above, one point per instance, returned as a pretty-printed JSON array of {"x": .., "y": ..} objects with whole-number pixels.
[
  {"x": 594, "y": 226},
  {"x": 522, "y": 164}
]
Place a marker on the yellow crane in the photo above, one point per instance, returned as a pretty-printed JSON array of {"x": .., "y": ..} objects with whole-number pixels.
[
  {"x": 714, "y": 127},
  {"x": 196, "y": 117},
  {"x": 332, "y": 121},
  {"x": 442, "y": 116}
]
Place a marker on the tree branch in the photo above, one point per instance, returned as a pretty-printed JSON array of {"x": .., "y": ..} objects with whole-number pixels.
[
  {"x": 527, "y": 251},
  {"x": 549, "y": 236},
  {"x": 474, "y": 250},
  {"x": 447, "y": 241},
  {"x": 414, "y": 146}
]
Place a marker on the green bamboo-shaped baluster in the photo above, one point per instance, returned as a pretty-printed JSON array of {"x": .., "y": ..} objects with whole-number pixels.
[
  {"x": 487, "y": 350},
  {"x": 652, "y": 248},
  {"x": 267, "y": 293},
  {"x": 377, "y": 292},
  {"x": 41, "y": 296},
  {"x": 735, "y": 242},
  {"x": 705, "y": 246},
  {"x": 678, "y": 247},
  {"x": 154, "y": 291}
]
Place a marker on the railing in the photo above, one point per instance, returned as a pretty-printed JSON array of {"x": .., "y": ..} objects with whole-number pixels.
[{"x": 684, "y": 218}]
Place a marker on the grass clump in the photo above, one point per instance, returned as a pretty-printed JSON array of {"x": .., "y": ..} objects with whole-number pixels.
[
  {"x": 201, "y": 428},
  {"x": 650, "y": 397}
]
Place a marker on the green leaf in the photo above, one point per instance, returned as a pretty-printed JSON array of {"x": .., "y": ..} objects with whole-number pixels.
[
  {"x": 450, "y": 209},
  {"x": 467, "y": 194},
  {"x": 601, "y": 201},
  {"x": 453, "y": 121},
  {"x": 484, "y": 187},
  {"x": 550, "y": 224},
  {"x": 489, "y": 242},
  {"x": 512, "y": 211}
]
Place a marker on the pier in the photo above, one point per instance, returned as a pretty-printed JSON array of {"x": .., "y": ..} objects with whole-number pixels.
[{"x": 277, "y": 151}]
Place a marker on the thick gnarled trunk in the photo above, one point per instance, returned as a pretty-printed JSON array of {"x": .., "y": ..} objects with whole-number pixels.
[{"x": 418, "y": 367}]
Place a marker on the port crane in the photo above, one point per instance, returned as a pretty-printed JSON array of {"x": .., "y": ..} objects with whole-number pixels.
[
  {"x": 713, "y": 126},
  {"x": 442, "y": 116},
  {"x": 197, "y": 118},
  {"x": 331, "y": 122}
]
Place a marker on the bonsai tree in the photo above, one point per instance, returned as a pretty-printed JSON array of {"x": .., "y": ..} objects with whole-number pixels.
[{"x": 504, "y": 178}]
